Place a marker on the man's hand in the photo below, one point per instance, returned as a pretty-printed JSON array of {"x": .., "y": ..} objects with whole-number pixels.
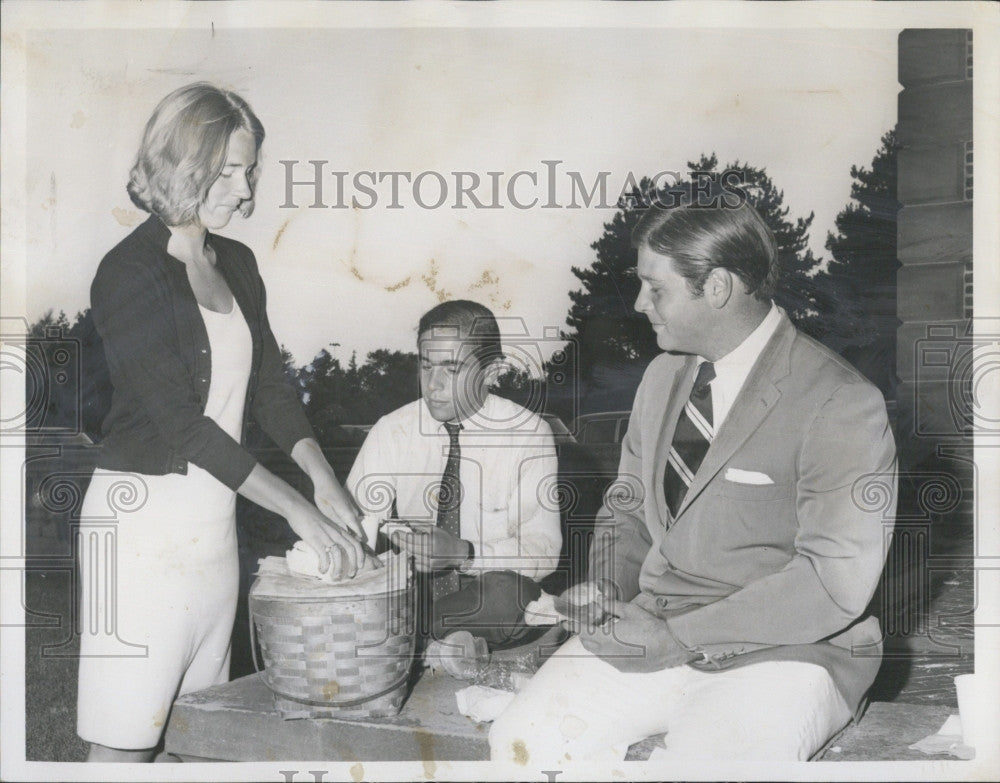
[
  {"x": 583, "y": 605},
  {"x": 433, "y": 549},
  {"x": 635, "y": 641}
]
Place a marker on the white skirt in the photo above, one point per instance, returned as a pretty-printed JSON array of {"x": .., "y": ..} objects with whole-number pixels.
[{"x": 160, "y": 576}]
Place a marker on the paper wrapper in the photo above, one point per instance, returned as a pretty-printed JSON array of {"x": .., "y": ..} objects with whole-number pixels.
[
  {"x": 276, "y": 580},
  {"x": 482, "y": 704},
  {"x": 542, "y": 612},
  {"x": 948, "y": 739}
]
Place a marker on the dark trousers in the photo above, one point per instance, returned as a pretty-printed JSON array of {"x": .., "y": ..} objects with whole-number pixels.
[{"x": 490, "y": 605}]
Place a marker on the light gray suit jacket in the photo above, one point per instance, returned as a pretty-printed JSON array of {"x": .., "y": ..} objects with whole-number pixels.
[{"x": 748, "y": 572}]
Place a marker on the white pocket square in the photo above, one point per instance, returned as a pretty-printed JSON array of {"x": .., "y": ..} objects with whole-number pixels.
[{"x": 747, "y": 477}]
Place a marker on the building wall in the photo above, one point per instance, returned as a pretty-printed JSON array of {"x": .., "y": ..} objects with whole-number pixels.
[
  {"x": 934, "y": 242},
  {"x": 933, "y": 340}
]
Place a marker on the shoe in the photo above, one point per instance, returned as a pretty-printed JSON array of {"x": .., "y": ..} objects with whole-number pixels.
[{"x": 460, "y": 654}]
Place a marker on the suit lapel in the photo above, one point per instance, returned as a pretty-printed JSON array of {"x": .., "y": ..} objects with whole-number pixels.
[{"x": 752, "y": 405}]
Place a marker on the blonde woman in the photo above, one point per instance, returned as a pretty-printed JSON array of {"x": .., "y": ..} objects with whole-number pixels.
[{"x": 181, "y": 311}]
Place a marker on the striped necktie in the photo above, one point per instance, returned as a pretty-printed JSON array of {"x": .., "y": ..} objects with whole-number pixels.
[
  {"x": 692, "y": 438},
  {"x": 449, "y": 506}
]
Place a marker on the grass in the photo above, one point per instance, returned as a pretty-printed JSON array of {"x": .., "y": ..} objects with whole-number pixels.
[{"x": 51, "y": 671}]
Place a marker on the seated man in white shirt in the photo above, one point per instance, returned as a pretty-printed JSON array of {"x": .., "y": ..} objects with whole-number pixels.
[{"x": 474, "y": 468}]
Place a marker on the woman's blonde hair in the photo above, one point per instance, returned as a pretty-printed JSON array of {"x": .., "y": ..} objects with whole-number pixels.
[{"x": 184, "y": 148}]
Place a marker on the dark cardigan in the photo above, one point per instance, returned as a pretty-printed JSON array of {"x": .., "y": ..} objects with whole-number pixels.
[{"x": 160, "y": 361}]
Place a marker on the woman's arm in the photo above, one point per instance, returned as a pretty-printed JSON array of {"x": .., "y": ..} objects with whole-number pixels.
[
  {"x": 277, "y": 409},
  {"x": 129, "y": 305},
  {"x": 274, "y": 405},
  {"x": 330, "y": 497}
]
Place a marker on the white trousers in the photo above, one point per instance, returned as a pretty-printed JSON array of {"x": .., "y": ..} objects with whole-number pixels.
[
  {"x": 580, "y": 708},
  {"x": 157, "y": 605}
]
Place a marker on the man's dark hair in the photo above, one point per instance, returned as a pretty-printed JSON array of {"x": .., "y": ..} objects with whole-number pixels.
[
  {"x": 700, "y": 238},
  {"x": 465, "y": 320}
]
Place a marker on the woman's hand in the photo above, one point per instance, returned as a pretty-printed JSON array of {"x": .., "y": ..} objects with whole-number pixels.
[
  {"x": 334, "y": 543},
  {"x": 334, "y": 502},
  {"x": 328, "y": 494},
  {"x": 340, "y": 552}
]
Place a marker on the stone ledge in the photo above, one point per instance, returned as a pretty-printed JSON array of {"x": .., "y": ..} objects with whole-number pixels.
[
  {"x": 237, "y": 722},
  {"x": 885, "y": 733}
]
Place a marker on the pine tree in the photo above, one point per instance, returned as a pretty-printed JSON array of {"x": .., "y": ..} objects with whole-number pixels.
[
  {"x": 615, "y": 343},
  {"x": 864, "y": 246},
  {"x": 864, "y": 252},
  {"x": 606, "y": 329}
]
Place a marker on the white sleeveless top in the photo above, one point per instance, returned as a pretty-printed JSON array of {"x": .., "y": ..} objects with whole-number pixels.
[{"x": 232, "y": 352}]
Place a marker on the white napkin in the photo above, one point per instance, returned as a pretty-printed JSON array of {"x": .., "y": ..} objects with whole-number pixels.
[
  {"x": 303, "y": 560},
  {"x": 948, "y": 739},
  {"x": 542, "y": 612},
  {"x": 482, "y": 704}
]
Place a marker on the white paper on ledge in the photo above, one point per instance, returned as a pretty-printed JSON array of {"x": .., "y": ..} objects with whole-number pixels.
[
  {"x": 542, "y": 612},
  {"x": 482, "y": 704},
  {"x": 948, "y": 739}
]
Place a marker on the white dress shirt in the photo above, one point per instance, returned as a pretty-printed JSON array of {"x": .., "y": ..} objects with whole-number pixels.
[
  {"x": 508, "y": 471},
  {"x": 732, "y": 370}
]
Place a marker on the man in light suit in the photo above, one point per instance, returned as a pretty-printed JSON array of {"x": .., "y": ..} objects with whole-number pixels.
[{"x": 727, "y": 597}]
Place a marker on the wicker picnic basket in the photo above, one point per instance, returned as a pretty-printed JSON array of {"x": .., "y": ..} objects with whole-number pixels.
[{"x": 335, "y": 651}]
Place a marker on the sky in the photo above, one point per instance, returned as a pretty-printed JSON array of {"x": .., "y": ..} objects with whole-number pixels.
[{"x": 804, "y": 104}]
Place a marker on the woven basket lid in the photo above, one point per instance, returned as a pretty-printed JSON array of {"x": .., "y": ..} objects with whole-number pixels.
[{"x": 274, "y": 580}]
